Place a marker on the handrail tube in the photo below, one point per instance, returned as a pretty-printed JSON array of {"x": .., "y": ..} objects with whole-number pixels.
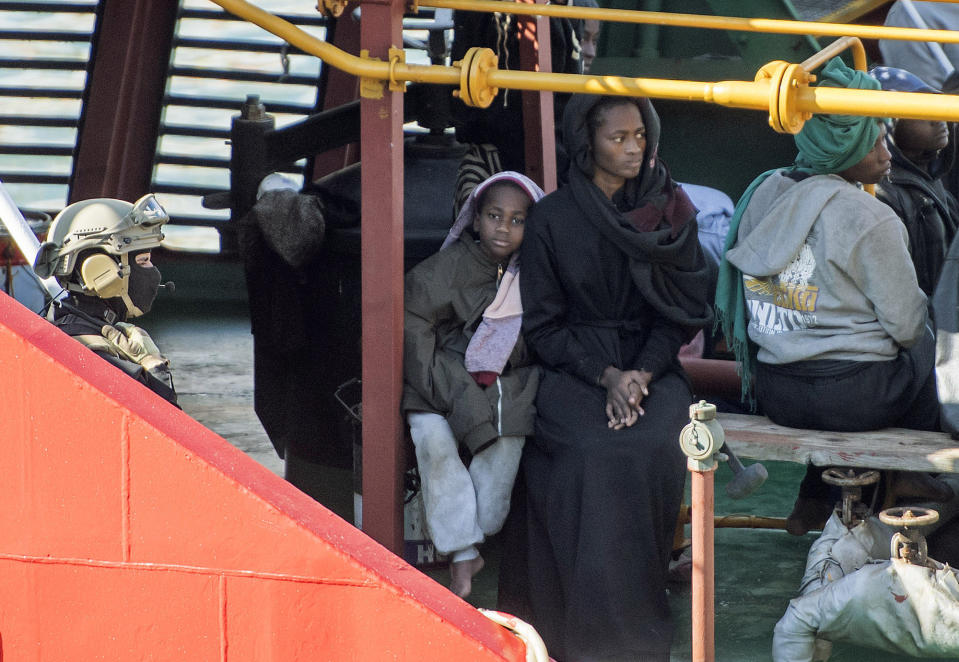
[
  {"x": 740, "y": 94},
  {"x": 734, "y": 23},
  {"x": 835, "y": 48},
  {"x": 878, "y": 103},
  {"x": 752, "y": 95},
  {"x": 330, "y": 54}
]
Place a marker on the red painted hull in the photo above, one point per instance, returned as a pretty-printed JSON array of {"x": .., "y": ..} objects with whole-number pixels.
[{"x": 130, "y": 531}]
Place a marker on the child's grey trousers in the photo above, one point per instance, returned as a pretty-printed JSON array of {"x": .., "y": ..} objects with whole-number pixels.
[{"x": 462, "y": 505}]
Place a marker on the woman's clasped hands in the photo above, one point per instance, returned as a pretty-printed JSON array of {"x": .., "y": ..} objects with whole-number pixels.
[{"x": 625, "y": 390}]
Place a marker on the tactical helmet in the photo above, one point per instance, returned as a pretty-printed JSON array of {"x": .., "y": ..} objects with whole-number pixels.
[
  {"x": 113, "y": 226},
  {"x": 110, "y": 229}
]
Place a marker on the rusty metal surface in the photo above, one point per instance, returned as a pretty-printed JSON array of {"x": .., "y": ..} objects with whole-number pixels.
[{"x": 381, "y": 150}]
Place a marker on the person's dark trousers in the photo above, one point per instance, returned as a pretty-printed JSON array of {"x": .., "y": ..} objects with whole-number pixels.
[{"x": 851, "y": 396}]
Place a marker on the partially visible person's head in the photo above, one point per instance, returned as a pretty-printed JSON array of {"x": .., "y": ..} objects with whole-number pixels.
[
  {"x": 589, "y": 42},
  {"x": 920, "y": 141},
  {"x": 617, "y": 138},
  {"x": 589, "y": 37},
  {"x": 501, "y": 211},
  {"x": 832, "y": 144},
  {"x": 900, "y": 80}
]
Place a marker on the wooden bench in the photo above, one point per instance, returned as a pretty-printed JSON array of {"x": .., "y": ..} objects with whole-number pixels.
[
  {"x": 759, "y": 438},
  {"x": 891, "y": 448}
]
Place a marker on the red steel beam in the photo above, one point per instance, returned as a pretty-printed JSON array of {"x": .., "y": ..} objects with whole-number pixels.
[
  {"x": 381, "y": 153},
  {"x": 341, "y": 88},
  {"x": 535, "y": 55},
  {"x": 123, "y": 99}
]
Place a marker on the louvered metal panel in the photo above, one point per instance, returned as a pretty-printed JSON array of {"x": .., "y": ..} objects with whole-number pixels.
[
  {"x": 217, "y": 61},
  {"x": 40, "y": 93}
]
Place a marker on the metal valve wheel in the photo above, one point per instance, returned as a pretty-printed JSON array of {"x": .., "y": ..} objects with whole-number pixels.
[
  {"x": 851, "y": 483},
  {"x": 908, "y": 545},
  {"x": 849, "y": 478},
  {"x": 908, "y": 516}
]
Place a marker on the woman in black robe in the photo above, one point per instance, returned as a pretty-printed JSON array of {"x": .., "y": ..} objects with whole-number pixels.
[{"x": 613, "y": 283}]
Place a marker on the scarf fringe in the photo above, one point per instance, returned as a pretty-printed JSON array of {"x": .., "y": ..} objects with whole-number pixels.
[{"x": 745, "y": 352}]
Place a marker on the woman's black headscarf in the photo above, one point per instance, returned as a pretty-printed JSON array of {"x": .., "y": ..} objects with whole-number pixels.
[{"x": 652, "y": 220}]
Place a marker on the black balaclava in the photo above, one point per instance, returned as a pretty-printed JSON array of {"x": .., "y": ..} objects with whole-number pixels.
[{"x": 144, "y": 285}]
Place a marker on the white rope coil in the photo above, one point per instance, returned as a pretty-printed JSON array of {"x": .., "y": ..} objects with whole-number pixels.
[{"x": 535, "y": 648}]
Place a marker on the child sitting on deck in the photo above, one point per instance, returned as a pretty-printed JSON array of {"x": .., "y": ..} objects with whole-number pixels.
[{"x": 466, "y": 373}]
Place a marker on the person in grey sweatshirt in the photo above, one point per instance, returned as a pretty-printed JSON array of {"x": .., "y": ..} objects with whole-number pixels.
[{"x": 836, "y": 321}]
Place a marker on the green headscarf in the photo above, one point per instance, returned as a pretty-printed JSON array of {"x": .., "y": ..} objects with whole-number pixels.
[
  {"x": 831, "y": 143},
  {"x": 827, "y": 144}
]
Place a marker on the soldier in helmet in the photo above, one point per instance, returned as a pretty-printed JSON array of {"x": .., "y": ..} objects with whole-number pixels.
[{"x": 99, "y": 251}]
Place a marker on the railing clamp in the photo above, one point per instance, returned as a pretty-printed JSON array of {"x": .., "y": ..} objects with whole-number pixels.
[
  {"x": 397, "y": 56},
  {"x": 785, "y": 79},
  {"x": 475, "y": 66},
  {"x": 370, "y": 88}
]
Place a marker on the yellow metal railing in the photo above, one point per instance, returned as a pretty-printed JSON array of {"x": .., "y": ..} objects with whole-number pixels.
[
  {"x": 835, "y": 48},
  {"x": 362, "y": 67},
  {"x": 780, "y": 88},
  {"x": 774, "y": 26}
]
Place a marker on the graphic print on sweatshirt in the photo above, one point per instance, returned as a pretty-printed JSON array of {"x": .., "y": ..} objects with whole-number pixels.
[{"x": 786, "y": 302}]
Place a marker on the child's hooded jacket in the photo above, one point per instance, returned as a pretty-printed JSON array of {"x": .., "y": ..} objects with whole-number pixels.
[{"x": 446, "y": 296}]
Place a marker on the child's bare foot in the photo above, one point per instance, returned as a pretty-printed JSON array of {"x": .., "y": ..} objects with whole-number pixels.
[{"x": 462, "y": 573}]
